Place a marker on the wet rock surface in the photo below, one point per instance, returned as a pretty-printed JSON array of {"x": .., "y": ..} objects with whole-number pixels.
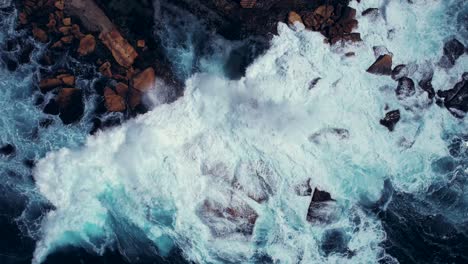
[
  {"x": 456, "y": 99},
  {"x": 391, "y": 119}
]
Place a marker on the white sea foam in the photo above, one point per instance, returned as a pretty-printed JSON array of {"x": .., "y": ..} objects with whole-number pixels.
[{"x": 249, "y": 143}]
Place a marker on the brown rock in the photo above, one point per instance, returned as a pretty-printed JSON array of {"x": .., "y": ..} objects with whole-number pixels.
[
  {"x": 122, "y": 89},
  {"x": 145, "y": 80},
  {"x": 40, "y": 35},
  {"x": 134, "y": 98},
  {"x": 382, "y": 66},
  {"x": 67, "y": 79},
  {"x": 47, "y": 85},
  {"x": 114, "y": 102},
  {"x": 294, "y": 17},
  {"x": 23, "y": 18},
  {"x": 325, "y": 11},
  {"x": 87, "y": 45},
  {"x": 60, "y": 4},
  {"x": 65, "y": 30},
  {"x": 105, "y": 69},
  {"x": 66, "y": 21},
  {"x": 121, "y": 50},
  {"x": 75, "y": 30},
  {"x": 67, "y": 39},
  {"x": 248, "y": 3},
  {"x": 57, "y": 45},
  {"x": 141, "y": 43}
]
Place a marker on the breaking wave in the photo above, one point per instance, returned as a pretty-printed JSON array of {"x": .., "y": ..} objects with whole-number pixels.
[{"x": 219, "y": 173}]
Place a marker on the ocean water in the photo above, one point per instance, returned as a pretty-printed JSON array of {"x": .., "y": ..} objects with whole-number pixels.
[{"x": 215, "y": 175}]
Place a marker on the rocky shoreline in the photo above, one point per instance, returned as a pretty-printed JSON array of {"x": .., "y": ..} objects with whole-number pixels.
[{"x": 129, "y": 60}]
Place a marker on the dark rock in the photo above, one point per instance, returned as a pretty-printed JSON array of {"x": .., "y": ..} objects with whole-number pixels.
[
  {"x": 426, "y": 85},
  {"x": 321, "y": 196},
  {"x": 7, "y": 150},
  {"x": 399, "y": 71},
  {"x": 322, "y": 208},
  {"x": 453, "y": 49},
  {"x": 370, "y": 12},
  {"x": 405, "y": 88},
  {"x": 51, "y": 108},
  {"x": 456, "y": 99},
  {"x": 70, "y": 102},
  {"x": 391, "y": 119},
  {"x": 335, "y": 241},
  {"x": 29, "y": 163},
  {"x": 382, "y": 66}
]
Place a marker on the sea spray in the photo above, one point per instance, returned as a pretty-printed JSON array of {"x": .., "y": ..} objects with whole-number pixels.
[{"x": 247, "y": 145}]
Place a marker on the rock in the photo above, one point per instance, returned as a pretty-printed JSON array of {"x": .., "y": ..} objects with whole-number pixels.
[
  {"x": 105, "y": 69},
  {"x": 113, "y": 101},
  {"x": 7, "y": 150},
  {"x": 47, "y": 85},
  {"x": 335, "y": 241},
  {"x": 426, "y": 84},
  {"x": 303, "y": 189},
  {"x": 66, "y": 21},
  {"x": 71, "y": 106},
  {"x": 51, "y": 108},
  {"x": 294, "y": 17},
  {"x": 248, "y": 3},
  {"x": 371, "y": 12},
  {"x": 91, "y": 16},
  {"x": 60, "y": 4},
  {"x": 405, "y": 88},
  {"x": 67, "y": 79},
  {"x": 145, "y": 80},
  {"x": 67, "y": 39},
  {"x": 456, "y": 99},
  {"x": 382, "y": 66},
  {"x": 121, "y": 50},
  {"x": 87, "y": 45},
  {"x": 453, "y": 49},
  {"x": 322, "y": 208},
  {"x": 391, "y": 119},
  {"x": 40, "y": 35},
  {"x": 141, "y": 43},
  {"x": 321, "y": 196},
  {"x": 121, "y": 89},
  {"x": 325, "y": 11},
  {"x": 235, "y": 217},
  {"x": 380, "y": 50},
  {"x": 399, "y": 71}
]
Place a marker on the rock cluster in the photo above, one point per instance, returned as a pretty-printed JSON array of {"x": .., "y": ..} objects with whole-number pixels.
[{"x": 80, "y": 28}]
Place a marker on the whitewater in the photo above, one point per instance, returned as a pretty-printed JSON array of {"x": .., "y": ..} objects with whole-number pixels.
[{"x": 172, "y": 177}]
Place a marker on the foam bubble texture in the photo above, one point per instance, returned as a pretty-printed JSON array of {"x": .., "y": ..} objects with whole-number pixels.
[{"x": 196, "y": 173}]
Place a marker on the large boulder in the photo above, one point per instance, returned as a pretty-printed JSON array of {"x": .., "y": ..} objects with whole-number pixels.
[
  {"x": 123, "y": 53},
  {"x": 113, "y": 101},
  {"x": 382, "y": 66},
  {"x": 145, "y": 80}
]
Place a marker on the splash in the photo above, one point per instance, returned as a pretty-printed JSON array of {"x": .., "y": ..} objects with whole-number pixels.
[{"x": 216, "y": 172}]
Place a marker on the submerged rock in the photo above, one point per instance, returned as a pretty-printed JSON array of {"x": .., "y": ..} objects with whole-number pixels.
[
  {"x": 382, "y": 66},
  {"x": 391, "y": 119},
  {"x": 405, "y": 88},
  {"x": 456, "y": 99},
  {"x": 399, "y": 71},
  {"x": 322, "y": 208},
  {"x": 236, "y": 217},
  {"x": 335, "y": 241},
  {"x": 7, "y": 150},
  {"x": 453, "y": 49}
]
